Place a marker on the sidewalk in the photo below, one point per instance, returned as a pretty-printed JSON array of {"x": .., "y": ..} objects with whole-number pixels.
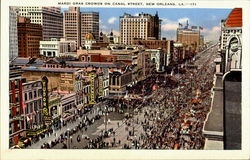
[{"x": 70, "y": 125}]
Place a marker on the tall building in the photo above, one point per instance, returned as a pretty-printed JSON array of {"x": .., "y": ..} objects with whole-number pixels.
[
  {"x": 143, "y": 26},
  {"x": 72, "y": 25},
  {"x": 13, "y": 43},
  {"x": 50, "y": 18},
  {"x": 29, "y": 36},
  {"x": 189, "y": 36},
  {"x": 89, "y": 24}
]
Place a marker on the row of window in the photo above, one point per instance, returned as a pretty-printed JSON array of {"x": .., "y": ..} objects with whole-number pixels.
[
  {"x": 67, "y": 107},
  {"x": 33, "y": 106},
  {"x": 32, "y": 94},
  {"x": 133, "y": 20}
]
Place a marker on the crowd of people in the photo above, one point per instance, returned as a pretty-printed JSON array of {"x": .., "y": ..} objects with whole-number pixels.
[
  {"x": 190, "y": 103},
  {"x": 172, "y": 115}
]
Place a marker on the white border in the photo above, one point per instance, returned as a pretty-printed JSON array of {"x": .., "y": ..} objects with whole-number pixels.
[{"x": 7, "y": 154}]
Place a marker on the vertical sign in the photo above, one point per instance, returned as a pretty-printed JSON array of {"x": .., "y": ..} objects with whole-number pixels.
[
  {"x": 92, "y": 88},
  {"x": 45, "y": 111},
  {"x": 101, "y": 86}
]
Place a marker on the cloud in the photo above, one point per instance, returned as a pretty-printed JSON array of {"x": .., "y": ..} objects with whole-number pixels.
[
  {"x": 112, "y": 20},
  {"x": 184, "y": 20},
  {"x": 136, "y": 14},
  {"x": 212, "y": 34},
  {"x": 168, "y": 25},
  {"x": 213, "y": 17},
  {"x": 103, "y": 27}
]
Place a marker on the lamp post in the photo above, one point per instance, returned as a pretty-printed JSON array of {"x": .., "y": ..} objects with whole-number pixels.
[
  {"x": 68, "y": 138},
  {"x": 105, "y": 118}
]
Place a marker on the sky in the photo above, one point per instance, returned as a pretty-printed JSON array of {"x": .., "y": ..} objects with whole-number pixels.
[{"x": 208, "y": 18}]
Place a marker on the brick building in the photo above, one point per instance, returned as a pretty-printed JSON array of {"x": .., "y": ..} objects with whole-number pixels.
[
  {"x": 16, "y": 108},
  {"x": 29, "y": 36}
]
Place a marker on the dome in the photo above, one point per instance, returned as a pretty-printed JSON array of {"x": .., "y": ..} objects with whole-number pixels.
[{"x": 89, "y": 36}]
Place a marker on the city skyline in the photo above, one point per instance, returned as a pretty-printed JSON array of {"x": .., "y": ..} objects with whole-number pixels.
[{"x": 209, "y": 19}]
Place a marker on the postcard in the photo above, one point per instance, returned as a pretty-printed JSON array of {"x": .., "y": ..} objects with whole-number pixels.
[{"x": 124, "y": 79}]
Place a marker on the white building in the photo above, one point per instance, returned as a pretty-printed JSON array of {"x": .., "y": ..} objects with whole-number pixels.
[
  {"x": 231, "y": 42},
  {"x": 105, "y": 82},
  {"x": 49, "y": 48},
  {"x": 157, "y": 57},
  {"x": 13, "y": 41},
  {"x": 55, "y": 48},
  {"x": 117, "y": 39},
  {"x": 50, "y": 18},
  {"x": 89, "y": 40}
]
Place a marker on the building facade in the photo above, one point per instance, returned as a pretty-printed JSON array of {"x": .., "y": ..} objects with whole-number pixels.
[
  {"x": 55, "y": 110},
  {"x": 57, "y": 48},
  {"x": 166, "y": 45},
  {"x": 29, "y": 36},
  {"x": 143, "y": 26},
  {"x": 59, "y": 79},
  {"x": 72, "y": 25},
  {"x": 32, "y": 94},
  {"x": 16, "y": 108},
  {"x": 50, "y": 18},
  {"x": 68, "y": 107},
  {"x": 157, "y": 58},
  {"x": 189, "y": 36},
  {"x": 89, "y": 24},
  {"x": 13, "y": 40},
  {"x": 49, "y": 48}
]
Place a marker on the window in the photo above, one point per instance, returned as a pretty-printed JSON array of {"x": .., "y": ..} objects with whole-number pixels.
[
  {"x": 40, "y": 104},
  {"x": 31, "y": 107},
  {"x": 17, "y": 97},
  {"x": 34, "y": 94},
  {"x": 40, "y": 92},
  {"x": 27, "y": 109},
  {"x": 25, "y": 97},
  {"x": 30, "y": 95},
  {"x": 35, "y": 106}
]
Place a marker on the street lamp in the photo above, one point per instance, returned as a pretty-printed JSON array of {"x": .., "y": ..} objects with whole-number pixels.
[
  {"x": 105, "y": 118},
  {"x": 68, "y": 138}
]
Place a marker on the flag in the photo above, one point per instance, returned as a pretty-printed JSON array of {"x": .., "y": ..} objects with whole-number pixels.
[
  {"x": 194, "y": 27},
  {"x": 200, "y": 28},
  {"x": 180, "y": 25}
]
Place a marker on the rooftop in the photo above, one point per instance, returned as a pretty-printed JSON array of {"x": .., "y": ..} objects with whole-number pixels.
[
  {"x": 45, "y": 69},
  {"x": 235, "y": 18},
  {"x": 95, "y": 64}
]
